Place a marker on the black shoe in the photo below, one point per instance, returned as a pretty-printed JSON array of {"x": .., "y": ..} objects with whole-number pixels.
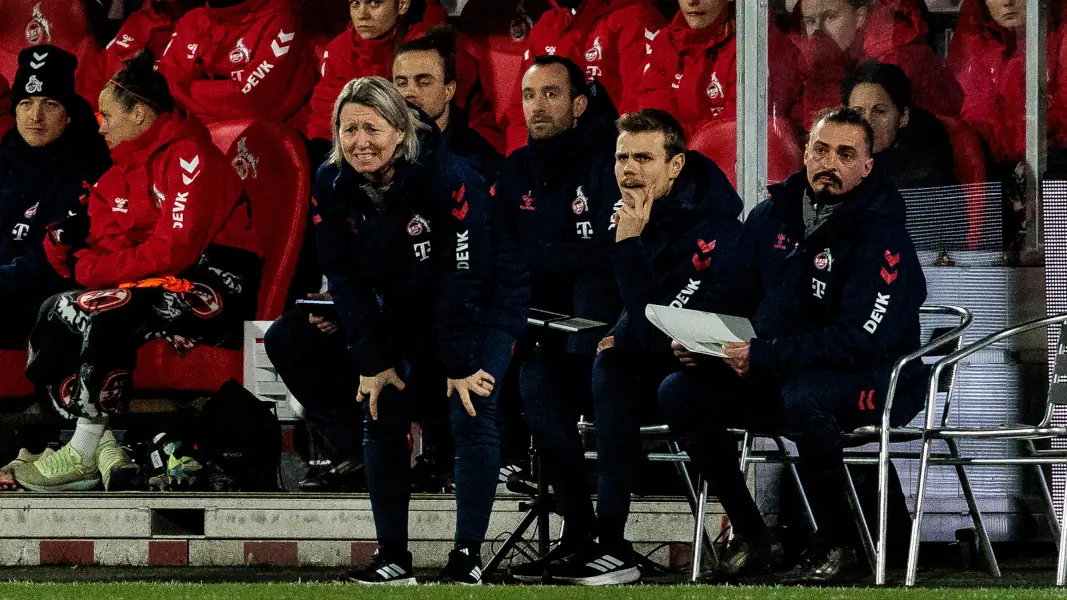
[
  {"x": 825, "y": 567},
  {"x": 535, "y": 571},
  {"x": 597, "y": 565},
  {"x": 347, "y": 477},
  {"x": 463, "y": 568},
  {"x": 744, "y": 557},
  {"x": 394, "y": 570},
  {"x": 428, "y": 477}
]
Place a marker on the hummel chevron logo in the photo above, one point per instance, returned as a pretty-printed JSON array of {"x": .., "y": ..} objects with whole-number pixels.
[
  {"x": 284, "y": 38},
  {"x": 190, "y": 166},
  {"x": 38, "y": 57}
]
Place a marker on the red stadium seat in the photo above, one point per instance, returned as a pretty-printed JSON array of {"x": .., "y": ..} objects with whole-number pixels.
[
  {"x": 718, "y": 141},
  {"x": 970, "y": 168},
  {"x": 13, "y": 382},
  {"x": 272, "y": 163},
  {"x": 61, "y": 23}
]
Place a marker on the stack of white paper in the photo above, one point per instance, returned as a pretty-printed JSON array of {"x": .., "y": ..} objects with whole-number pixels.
[{"x": 699, "y": 332}]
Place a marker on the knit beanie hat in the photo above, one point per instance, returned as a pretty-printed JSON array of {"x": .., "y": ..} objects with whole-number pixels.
[{"x": 45, "y": 71}]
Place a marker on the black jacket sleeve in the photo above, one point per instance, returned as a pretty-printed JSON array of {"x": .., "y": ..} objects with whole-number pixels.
[
  {"x": 366, "y": 333},
  {"x": 466, "y": 258},
  {"x": 29, "y": 269}
]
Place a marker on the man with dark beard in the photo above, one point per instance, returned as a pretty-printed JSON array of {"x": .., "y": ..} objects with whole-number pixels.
[{"x": 830, "y": 279}]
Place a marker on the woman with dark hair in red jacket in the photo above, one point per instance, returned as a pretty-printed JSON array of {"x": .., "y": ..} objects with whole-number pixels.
[
  {"x": 164, "y": 249},
  {"x": 988, "y": 58},
  {"x": 692, "y": 68},
  {"x": 834, "y": 36}
]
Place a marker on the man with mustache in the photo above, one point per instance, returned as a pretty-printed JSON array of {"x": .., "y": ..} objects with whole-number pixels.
[{"x": 829, "y": 277}]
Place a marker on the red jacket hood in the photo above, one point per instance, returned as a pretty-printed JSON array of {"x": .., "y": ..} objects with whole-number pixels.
[
  {"x": 168, "y": 127},
  {"x": 587, "y": 12},
  {"x": 249, "y": 10},
  {"x": 685, "y": 39}
]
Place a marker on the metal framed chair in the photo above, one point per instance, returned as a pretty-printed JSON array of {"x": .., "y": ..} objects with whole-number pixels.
[
  {"x": 942, "y": 384},
  {"x": 698, "y": 501},
  {"x": 940, "y": 430}
]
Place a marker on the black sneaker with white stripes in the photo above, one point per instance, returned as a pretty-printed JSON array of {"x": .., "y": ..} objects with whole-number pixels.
[
  {"x": 463, "y": 568},
  {"x": 383, "y": 570},
  {"x": 598, "y": 565}
]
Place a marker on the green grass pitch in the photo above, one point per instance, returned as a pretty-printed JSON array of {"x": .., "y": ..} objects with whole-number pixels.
[{"x": 157, "y": 591}]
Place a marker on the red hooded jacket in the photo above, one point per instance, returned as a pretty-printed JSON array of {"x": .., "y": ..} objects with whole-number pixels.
[
  {"x": 168, "y": 196},
  {"x": 62, "y": 23},
  {"x": 250, "y": 60},
  {"x": 991, "y": 67},
  {"x": 145, "y": 28},
  {"x": 349, "y": 56},
  {"x": 692, "y": 74},
  {"x": 6, "y": 120},
  {"x": 611, "y": 39},
  {"x": 894, "y": 33}
]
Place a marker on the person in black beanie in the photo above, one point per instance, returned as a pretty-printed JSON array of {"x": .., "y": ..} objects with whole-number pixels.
[{"x": 44, "y": 161}]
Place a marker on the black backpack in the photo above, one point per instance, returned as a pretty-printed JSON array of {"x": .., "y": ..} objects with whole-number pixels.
[{"x": 240, "y": 441}]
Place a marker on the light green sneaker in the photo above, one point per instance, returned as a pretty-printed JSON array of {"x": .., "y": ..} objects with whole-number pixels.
[
  {"x": 116, "y": 468},
  {"x": 64, "y": 471}
]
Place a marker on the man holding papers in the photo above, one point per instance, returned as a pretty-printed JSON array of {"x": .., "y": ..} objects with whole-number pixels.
[{"x": 830, "y": 279}]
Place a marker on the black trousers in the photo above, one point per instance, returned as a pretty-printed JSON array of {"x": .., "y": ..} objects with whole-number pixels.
[
  {"x": 812, "y": 408},
  {"x": 84, "y": 346}
]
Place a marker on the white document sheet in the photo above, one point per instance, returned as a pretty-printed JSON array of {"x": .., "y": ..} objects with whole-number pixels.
[{"x": 700, "y": 332}]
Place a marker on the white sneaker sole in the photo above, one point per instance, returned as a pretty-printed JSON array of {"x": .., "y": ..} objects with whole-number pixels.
[
  {"x": 401, "y": 581},
  {"x": 528, "y": 578},
  {"x": 82, "y": 485},
  {"x": 631, "y": 575}
]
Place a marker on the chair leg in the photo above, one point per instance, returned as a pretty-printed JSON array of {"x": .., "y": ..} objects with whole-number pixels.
[
  {"x": 746, "y": 449},
  {"x": 976, "y": 515},
  {"x": 792, "y": 466},
  {"x": 882, "y": 547},
  {"x": 1061, "y": 559},
  {"x": 861, "y": 520},
  {"x": 694, "y": 502},
  {"x": 698, "y": 531},
  {"x": 916, "y": 523},
  {"x": 1046, "y": 494}
]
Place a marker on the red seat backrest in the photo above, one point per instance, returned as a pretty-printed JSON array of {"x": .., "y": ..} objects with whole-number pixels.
[
  {"x": 969, "y": 166},
  {"x": 273, "y": 165},
  {"x": 62, "y": 23},
  {"x": 500, "y": 69},
  {"x": 718, "y": 141}
]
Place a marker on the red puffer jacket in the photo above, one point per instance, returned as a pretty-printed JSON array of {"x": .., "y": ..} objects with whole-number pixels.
[
  {"x": 894, "y": 33},
  {"x": 692, "y": 74},
  {"x": 168, "y": 196},
  {"x": 143, "y": 29},
  {"x": 250, "y": 60},
  {"x": 61, "y": 23},
  {"x": 990, "y": 64},
  {"x": 349, "y": 56},
  {"x": 611, "y": 39},
  {"x": 6, "y": 120}
]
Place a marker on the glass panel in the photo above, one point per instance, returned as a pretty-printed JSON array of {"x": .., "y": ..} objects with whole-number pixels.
[{"x": 942, "y": 83}]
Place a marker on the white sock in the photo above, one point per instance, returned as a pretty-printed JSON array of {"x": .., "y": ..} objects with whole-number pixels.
[{"x": 87, "y": 437}]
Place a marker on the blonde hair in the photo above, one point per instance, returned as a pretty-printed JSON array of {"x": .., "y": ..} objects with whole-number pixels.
[{"x": 379, "y": 94}]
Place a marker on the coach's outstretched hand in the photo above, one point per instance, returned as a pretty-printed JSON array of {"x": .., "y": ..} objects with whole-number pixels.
[{"x": 372, "y": 387}]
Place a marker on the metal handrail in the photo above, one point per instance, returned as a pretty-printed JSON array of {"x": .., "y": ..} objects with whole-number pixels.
[{"x": 974, "y": 347}]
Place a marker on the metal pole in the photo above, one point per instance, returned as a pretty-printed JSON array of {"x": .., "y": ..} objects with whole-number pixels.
[
  {"x": 752, "y": 71},
  {"x": 1036, "y": 75}
]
